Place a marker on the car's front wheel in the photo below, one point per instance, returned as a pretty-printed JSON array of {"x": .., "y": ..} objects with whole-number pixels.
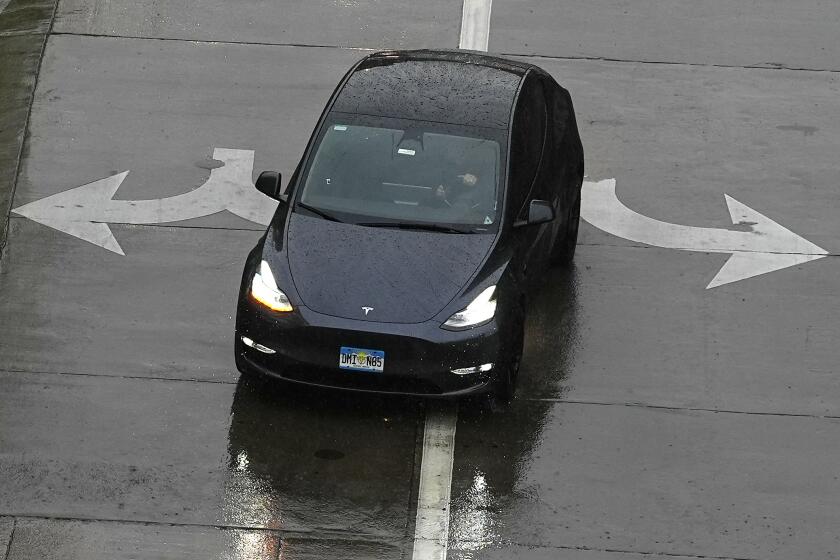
[
  {"x": 565, "y": 245},
  {"x": 507, "y": 374}
]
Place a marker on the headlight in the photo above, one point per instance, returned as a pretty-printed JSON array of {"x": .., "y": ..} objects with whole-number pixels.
[
  {"x": 479, "y": 311},
  {"x": 264, "y": 289}
]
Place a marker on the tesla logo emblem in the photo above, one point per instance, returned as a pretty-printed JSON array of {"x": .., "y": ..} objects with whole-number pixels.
[{"x": 367, "y": 310}]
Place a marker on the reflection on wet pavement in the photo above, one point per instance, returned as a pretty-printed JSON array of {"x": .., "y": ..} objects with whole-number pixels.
[
  {"x": 494, "y": 450},
  {"x": 300, "y": 459},
  {"x": 92, "y": 540}
]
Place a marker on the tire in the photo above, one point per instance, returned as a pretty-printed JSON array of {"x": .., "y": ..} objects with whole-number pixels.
[
  {"x": 564, "y": 247},
  {"x": 504, "y": 386}
]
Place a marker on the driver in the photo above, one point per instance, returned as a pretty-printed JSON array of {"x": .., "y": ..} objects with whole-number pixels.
[{"x": 465, "y": 193}]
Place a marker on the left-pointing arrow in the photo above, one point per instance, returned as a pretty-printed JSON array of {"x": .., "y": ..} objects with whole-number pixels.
[
  {"x": 73, "y": 211},
  {"x": 86, "y": 211}
]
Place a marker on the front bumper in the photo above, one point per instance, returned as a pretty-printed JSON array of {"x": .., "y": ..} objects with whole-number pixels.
[{"x": 419, "y": 357}]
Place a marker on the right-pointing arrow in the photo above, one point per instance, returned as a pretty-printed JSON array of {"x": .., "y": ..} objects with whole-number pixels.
[{"x": 765, "y": 247}]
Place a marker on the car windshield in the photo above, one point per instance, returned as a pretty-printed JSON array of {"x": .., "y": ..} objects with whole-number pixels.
[{"x": 402, "y": 173}]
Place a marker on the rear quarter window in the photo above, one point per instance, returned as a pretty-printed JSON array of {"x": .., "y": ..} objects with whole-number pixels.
[{"x": 527, "y": 141}]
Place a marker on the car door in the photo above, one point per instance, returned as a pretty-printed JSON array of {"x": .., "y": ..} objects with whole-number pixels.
[{"x": 527, "y": 145}]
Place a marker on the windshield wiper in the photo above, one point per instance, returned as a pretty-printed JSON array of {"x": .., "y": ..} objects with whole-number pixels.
[
  {"x": 416, "y": 226},
  {"x": 318, "y": 211}
]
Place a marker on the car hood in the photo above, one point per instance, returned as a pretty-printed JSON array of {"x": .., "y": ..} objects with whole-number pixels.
[{"x": 405, "y": 276}]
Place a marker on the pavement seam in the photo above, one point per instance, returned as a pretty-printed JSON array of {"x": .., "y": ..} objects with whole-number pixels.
[
  {"x": 11, "y": 538},
  {"x": 320, "y": 534},
  {"x": 4, "y": 234},
  {"x": 616, "y": 245},
  {"x": 111, "y": 376},
  {"x": 625, "y": 551},
  {"x": 211, "y": 42},
  {"x": 685, "y": 408},
  {"x": 163, "y": 225},
  {"x": 706, "y": 251},
  {"x": 774, "y": 67},
  {"x": 535, "y": 399},
  {"x": 697, "y": 250}
]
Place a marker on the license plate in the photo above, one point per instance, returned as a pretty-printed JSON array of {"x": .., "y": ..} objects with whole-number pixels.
[{"x": 361, "y": 359}]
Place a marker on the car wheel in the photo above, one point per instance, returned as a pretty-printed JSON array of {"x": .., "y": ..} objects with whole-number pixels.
[
  {"x": 504, "y": 386},
  {"x": 564, "y": 247}
]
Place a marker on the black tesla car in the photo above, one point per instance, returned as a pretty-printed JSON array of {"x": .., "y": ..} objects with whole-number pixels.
[{"x": 435, "y": 187}]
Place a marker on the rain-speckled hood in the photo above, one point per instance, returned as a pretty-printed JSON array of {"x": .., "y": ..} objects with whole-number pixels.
[{"x": 405, "y": 276}]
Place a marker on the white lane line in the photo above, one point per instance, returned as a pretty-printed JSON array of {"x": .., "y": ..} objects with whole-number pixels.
[
  {"x": 475, "y": 25},
  {"x": 431, "y": 533}
]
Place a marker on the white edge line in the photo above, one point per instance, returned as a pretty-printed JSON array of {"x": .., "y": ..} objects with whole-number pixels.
[
  {"x": 431, "y": 532},
  {"x": 475, "y": 25}
]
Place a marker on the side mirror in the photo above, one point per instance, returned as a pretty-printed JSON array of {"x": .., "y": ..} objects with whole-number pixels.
[
  {"x": 268, "y": 183},
  {"x": 540, "y": 212}
]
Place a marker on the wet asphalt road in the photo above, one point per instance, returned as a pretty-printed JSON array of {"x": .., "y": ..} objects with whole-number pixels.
[{"x": 655, "y": 418}]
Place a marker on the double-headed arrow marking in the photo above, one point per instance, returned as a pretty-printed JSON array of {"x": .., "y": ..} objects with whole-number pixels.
[{"x": 86, "y": 211}]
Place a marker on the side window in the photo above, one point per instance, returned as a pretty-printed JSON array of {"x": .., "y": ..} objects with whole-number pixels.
[{"x": 527, "y": 139}]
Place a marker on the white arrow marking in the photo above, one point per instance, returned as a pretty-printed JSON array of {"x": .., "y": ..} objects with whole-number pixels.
[
  {"x": 765, "y": 247},
  {"x": 86, "y": 211}
]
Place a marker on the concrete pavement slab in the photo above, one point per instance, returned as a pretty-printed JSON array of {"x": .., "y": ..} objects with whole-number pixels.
[
  {"x": 771, "y": 33},
  {"x": 48, "y": 539},
  {"x": 636, "y": 325},
  {"x": 635, "y": 479},
  {"x": 162, "y": 123},
  {"x": 158, "y": 108},
  {"x": 762, "y": 344},
  {"x": 677, "y": 138},
  {"x": 205, "y": 454},
  {"x": 357, "y": 23},
  {"x": 69, "y": 306}
]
